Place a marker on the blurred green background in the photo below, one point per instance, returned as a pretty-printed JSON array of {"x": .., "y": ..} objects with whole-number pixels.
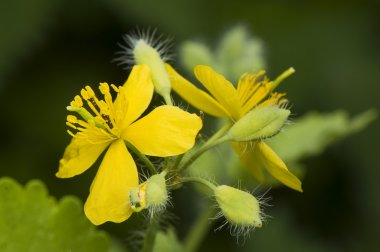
[{"x": 49, "y": 49}]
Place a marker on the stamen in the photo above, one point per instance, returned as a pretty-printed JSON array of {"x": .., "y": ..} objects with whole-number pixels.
[
  {"x": 94, "y": 105},
  {"x": 104, "y": 88},
  {"x": 248, "y": 85},
  {"x": 82, "y": 112},
  {"x": 71, "y": 133},
  {"x": 89, "y": 95},
  {"x": 77, "y": 102},
  {"x": 90, "y": 92},
  {"x": 100, "y": 125},
  {"x": 105, "y": 112},
  {"x": 115, "y": 88},
  {"x": 71, "y": 125},
  {"x": 72, "y": 119}
]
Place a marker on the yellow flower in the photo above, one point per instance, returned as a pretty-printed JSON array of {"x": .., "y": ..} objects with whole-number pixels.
[
  {"x": 233, "y": 103},
  {"x": 166, "y": 131}
]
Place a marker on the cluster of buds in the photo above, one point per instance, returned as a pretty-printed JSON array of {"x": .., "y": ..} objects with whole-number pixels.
[
  {"x": 254, "y": 112},
  {"x": 240, "y": 208}
]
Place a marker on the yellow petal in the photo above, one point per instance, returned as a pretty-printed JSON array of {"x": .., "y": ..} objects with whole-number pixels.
[
  {"x": 223, "y": 91},
  {"x": 249, "y": 159},
  {"x": 166, "y": 131},
  {"x": 79, "y": 155},
  {"x": 137, "y": 93},
  {"x": 277, "y": 167},
  {"x": 109, "y": 193},
  {"x": 195, "y": 96}
]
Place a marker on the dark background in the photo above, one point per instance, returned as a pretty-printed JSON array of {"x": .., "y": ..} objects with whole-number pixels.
[{"x": 49, "y": 49}]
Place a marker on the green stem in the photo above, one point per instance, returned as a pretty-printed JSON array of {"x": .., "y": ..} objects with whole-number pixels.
[
  {"x": 168, "y": 100},
  {"x": 178, "y": 160},
  {"x": 202, "y": 225},
  {"x": 150, "y": 235},
  {"x": 143, "y": 158},
  {"x": 199, "y": 180},
  {"x": 199, "y": 230},
  {"x": 212, "y": 142},
  {"x": 200, "y": 151}
]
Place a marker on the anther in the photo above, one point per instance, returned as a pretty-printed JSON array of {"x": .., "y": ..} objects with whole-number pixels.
[
  {"x": 104, "y": 88},
  {"x": 84, "y": 94},
  {"x": 90, "y": 92},
  {"x": 77, "y": 102},
  {"x": 72, "y": 119}
]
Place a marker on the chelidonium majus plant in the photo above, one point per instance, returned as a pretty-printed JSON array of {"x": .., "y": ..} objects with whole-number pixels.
[{"x": 111, "y": 120}]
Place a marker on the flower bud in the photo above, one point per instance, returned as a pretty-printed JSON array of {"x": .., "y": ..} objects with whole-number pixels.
[
  {"x": 146, "y": 54},
  {"x": 261, "y": 122},
  {"x": 240, "y": 208},
  {"x": 156, "y": 192},
  {"x": 151, "y": 194},
  {"x": 195, "y": 53}
]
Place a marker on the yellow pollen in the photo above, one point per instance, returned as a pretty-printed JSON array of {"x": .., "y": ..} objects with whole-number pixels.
[
  {"x": 104, "y": 88},
  {"x": 101, "y": 123},
  {"x": 72, "y": 119},
  {"x": 77, "y": 102},
  {"x": 84, "y": 94},
  {"x": 90, "y": 92}
]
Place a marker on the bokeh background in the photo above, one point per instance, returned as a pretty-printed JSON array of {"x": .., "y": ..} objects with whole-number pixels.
[{"x": 49, "y": 49}]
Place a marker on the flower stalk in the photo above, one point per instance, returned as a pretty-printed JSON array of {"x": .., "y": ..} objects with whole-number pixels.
[{"x": 216, "y": 139}]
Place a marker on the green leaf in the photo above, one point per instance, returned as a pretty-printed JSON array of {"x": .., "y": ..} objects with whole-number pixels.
[
  {"x": 314, "y": 132},
  {"x": 31, "y": 220}
]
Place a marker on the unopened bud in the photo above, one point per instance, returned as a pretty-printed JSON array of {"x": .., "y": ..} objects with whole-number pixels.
[
  {"x": 240, "y": 208},
  {"x": 156, "y": 192},
  {"x": 259, "y": 123},
  {"x": 194, "y": 53},
  {"x": 152, "y": 194},
  {"x": 146, "y": 54}
]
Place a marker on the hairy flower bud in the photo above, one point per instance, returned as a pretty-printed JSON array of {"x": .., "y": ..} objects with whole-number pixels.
[
  {"x": 240, "y": 208},
  {"x": 261, "y": 122},
  {"x": 152, "y": 194},
  {"x": 156, "y": 191},
  {"x": 146, "y": 54}
]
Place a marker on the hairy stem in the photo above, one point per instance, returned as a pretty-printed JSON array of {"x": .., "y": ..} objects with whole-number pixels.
[
  {"x": 199, "y": 180},
  {"x": 150, "y": 235},
  {"x": 216, "y": 139}
]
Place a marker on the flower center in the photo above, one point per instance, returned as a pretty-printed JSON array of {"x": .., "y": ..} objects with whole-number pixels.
[
  {"x": 255, "y": 90},
  {"x": 103, "y": 117}
]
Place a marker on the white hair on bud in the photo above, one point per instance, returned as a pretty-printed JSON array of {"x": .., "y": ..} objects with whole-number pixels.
[
  {"x": 238, "y": 230},
  {"x": 162, "y": 44}
]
